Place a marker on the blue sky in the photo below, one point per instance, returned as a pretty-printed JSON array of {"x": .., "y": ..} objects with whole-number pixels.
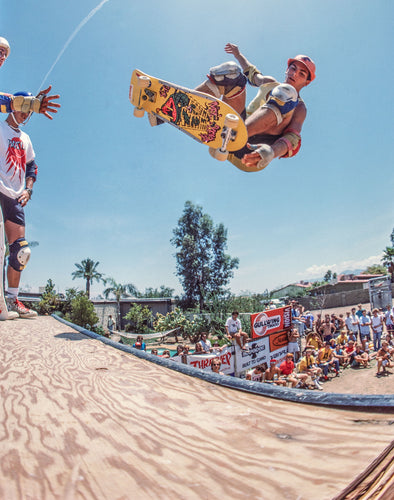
[{"x": 112, "y": 188}]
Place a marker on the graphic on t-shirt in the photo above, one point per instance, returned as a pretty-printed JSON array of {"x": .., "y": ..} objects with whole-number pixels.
[{"x": 16, "y": 158}]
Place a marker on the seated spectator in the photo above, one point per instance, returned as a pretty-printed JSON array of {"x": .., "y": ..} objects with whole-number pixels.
[
  {"x": 383, "y": 358},
  {"x": 256, "y": 375},
  {"x": 166, "y": 354},
  {"x": 186, "y": 350},
  {"x": 332, "y": 344},
  {"x": 341, "y": 355},
  {"x": 215, "y": 366},
  {"x": 198, "y": 348},
  {"x": 205, "y": 343},
  {"x": 326, "y": 360},
  {"x": 234, "y": 330},
  {"x": 293, "y": 346},
  {"x": 309, "y": 367},
  {"x": 314, "y": 341},
  {"x": 352, "y": 337},
  {"x": 154, "y": 352},
  {"x": 287, "y": 372},
  {"x": 272, "y": 374},
  {"x": 342, "y": 338},
  {"x": 140, "y": 344},
  {"x": 179, "y": 350},
  {"x": 217, "y": 349},
  {"x": 359, "y": 357}
]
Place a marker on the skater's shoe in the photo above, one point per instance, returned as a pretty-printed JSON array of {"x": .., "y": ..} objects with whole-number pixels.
[
  {"x": 16, "y": 306},
  {"x": 10, "y": 315},
  {"x": 154, "y": 120}
]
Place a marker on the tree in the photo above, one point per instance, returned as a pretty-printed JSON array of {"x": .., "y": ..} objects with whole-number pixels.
[
  {"x": 328, "y": 276},
  {"x": 50, "y": 300},
  {"x": 202, "y": 264},
  {"x": 375, "y": 269},
  {"x": 119, "y": 291},
  {"x": 87, "y": 270},
  {"x": 388, "y": 260},
  {"x": 151, "y": 293}
]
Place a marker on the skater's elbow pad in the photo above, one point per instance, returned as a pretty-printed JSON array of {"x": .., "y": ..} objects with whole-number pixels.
[{"x": 292, "y": 138}]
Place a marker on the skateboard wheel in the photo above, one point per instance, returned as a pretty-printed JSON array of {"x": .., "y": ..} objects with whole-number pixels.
[
  {"x": 143, "y": 81},
  {"x": 231, "y": 121},
  {"x": 218, "y": 154},
  {"x": 139, "y": 112}
]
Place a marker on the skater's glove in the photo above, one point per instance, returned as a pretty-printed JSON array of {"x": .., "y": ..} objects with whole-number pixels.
[
  {"x": 267, "y": 155},
  {"x": 26, "y": 104}
]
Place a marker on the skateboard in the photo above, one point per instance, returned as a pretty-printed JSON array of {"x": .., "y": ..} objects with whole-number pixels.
[{"x": 201, "y": 116}]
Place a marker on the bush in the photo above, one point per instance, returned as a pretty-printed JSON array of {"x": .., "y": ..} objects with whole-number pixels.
[
  {"x": 82, "y": 311},
  {"x": 139, "y": 318}
]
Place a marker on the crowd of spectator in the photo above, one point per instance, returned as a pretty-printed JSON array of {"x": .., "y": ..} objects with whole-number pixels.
[{"x": 318, "y": 348}]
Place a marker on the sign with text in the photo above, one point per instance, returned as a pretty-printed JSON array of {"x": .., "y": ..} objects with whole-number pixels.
[{"x": 270, "y": 321}]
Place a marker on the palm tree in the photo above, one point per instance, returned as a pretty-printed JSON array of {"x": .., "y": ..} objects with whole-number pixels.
[
  {"x": 87, "y": 270},
  {"x": 388, "y": 260},
  {"x": 119, "y": 291}
]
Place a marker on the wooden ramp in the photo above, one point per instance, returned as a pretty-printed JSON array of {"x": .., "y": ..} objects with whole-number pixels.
[{"x": 82, "y": 420}]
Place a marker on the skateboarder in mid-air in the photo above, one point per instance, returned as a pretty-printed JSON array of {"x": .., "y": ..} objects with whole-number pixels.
[
  {"x": 18, "y": 172},
  {"x": 274, "y": 118}
]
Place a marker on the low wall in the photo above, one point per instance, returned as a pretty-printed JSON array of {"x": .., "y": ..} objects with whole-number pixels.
[{"x": 340, "y": 299}]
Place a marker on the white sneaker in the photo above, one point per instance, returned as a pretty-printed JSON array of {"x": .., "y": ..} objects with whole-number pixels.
[{"x": 16, "y": 306}]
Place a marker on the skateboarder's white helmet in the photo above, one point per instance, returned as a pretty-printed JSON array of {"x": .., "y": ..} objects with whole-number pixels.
[{"x": 4, "y": 43}]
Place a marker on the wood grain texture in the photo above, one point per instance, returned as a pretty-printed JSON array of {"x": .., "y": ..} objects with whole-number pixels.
[{"x": 81, "y": 420}]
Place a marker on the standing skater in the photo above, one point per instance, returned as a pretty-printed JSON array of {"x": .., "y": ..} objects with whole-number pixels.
[{"x": 18, "y": 172}]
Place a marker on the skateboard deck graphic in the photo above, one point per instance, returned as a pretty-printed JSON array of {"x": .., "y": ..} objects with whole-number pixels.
[{"x": 203, "y": 117}]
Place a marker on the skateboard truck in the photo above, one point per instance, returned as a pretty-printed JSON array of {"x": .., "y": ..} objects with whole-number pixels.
[
  {"x": 228, "y": 134},
  {"x": 143, "y": 83}
]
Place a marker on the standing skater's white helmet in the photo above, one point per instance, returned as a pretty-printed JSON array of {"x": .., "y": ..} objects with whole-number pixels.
[{"x": 4, "y": 43}]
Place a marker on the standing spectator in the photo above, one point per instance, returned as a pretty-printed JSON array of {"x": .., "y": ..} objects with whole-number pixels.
[
  {"x": 377, "y": 329},
  {"x": 389, "y": 319},
  {"x": 318, "y": 323},
  {"x": 292, "y": 346},
  {"x": 365, "y": 332},
  {"x": 327, "y": 329},
  {"x": 111, "y": 324},
  {"x": 355, "y": 322}
]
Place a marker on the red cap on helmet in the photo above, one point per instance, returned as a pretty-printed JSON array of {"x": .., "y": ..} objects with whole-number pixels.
[{"x": 307, "y": 62}]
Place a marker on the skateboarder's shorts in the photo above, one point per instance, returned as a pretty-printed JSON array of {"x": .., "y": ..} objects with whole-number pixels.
[
  {"x": 256, "y": 139},
  {"x": 12, "y": 210}
]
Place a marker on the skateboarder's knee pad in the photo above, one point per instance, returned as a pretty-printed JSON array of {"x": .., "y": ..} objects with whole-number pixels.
[
  {"x": 19, "y": 254},
  {"x": 282, "y": 99},
  {"x": 227, "y": 79},
  {"x": 292, "y": 139}
]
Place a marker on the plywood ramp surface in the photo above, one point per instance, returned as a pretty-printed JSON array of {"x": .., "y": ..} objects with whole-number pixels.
[{"x": 81, "y": 420}]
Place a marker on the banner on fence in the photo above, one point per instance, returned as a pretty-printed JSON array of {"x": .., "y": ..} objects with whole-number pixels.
[
  {"x": 260, "y": 352},
  {"x": 270, "y": 321},
  {"x": 203, "y": 361}
]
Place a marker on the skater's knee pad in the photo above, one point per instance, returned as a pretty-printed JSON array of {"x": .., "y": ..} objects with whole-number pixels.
[
  {"x": 282, "y": 99},
  {"x": 19, "y": 254},
  {"x": 228, "y": 79},
  {"x": 293, "y": 142}
]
